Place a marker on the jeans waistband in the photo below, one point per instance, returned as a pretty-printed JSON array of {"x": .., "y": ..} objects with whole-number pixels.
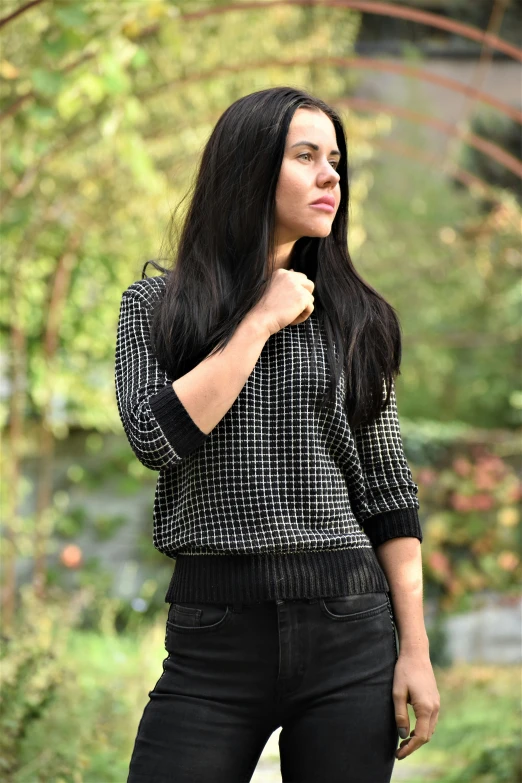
[{"x": 237, "y": 606}]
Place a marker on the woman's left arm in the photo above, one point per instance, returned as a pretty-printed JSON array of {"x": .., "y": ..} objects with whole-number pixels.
[{"x": 414, "y": 680}]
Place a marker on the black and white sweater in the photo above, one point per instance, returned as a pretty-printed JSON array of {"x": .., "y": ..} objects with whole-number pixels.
[{"x": 281, "y": 499}]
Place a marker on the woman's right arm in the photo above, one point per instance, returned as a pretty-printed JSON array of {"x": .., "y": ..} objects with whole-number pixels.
[
  {"x": 165, "y": 421},
  {"x": 210, "y": 389}
]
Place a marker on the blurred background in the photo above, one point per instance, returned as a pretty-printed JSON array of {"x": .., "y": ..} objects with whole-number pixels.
[{"x": 105, "y": 109}]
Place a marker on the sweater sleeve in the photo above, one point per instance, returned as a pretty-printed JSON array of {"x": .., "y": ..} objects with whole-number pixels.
[
  {"x": 391, "y": 492},
  {"x": 159, "y": 429}
]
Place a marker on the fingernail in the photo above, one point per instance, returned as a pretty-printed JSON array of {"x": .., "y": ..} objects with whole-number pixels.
[{"x": 403, "y": 733}]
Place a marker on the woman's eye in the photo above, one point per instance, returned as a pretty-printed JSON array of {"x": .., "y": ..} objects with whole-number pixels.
[{"x": 334, "y": 163}]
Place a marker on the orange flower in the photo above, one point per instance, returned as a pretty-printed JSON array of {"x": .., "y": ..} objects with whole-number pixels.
[
  {"x": 482, "y": 501},
  {"x": 462, "y": 466},
  {"x": 508, "y": 561},
  {"x": 461, "y": 502},
  {"x": 71, "y": 556},
  {"x": 426, "y": 476},
  {"x": 440, "y": 564}
]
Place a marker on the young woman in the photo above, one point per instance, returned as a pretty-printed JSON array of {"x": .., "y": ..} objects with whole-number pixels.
[{"x": 256, "y": 374}]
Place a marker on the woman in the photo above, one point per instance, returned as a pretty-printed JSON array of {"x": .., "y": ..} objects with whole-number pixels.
[{"x": 257, "y": 376}]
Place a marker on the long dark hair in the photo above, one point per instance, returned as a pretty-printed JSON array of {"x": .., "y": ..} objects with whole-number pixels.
[{"x": 218, "y": 269}]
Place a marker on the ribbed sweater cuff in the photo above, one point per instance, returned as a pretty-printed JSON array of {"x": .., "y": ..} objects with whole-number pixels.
[
  {"x": 392, "y": 524},
  {"x": 180, "y": 429}
]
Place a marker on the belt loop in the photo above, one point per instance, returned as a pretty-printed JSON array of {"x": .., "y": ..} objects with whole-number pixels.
[{"x": 237, "y": 607}]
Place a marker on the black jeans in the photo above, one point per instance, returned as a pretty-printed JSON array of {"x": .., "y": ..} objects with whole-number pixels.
[{"x": 321, "y": 669}]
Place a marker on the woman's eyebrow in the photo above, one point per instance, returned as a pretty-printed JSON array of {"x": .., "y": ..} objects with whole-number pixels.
[{"x": 314, "y": 147}]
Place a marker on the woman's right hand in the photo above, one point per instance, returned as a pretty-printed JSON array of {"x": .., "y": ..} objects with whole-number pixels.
[{"x": 288, "y": 300}]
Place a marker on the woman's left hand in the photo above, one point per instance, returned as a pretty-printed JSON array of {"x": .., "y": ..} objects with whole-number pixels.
[{"x": 414, "y": 683}]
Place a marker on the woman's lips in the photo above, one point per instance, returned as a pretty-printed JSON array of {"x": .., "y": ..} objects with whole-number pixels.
[{"x": 325, "y": 207}]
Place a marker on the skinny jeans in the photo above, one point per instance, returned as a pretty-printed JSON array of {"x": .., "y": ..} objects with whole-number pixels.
[{"x": 320, "y": 669}]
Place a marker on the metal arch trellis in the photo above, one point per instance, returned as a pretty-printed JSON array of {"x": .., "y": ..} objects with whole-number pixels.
[
  {"x": 489, "y": 148},
  {"x": 465, "y": 177},
  {"x": 381, "y": 9},
  {"x": 485, "y": 146},
  {"x": 370, "y": 63},
  {"x": 390, "y": 9}
]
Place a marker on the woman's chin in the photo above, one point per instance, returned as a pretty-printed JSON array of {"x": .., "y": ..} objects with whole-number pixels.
[{"x": 319, "y": 231}]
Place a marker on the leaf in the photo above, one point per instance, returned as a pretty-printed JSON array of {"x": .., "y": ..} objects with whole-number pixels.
[
  {"x": 139, "y": 59},
  {"x": 42, "y": 115},
  {"x": 47, "y": 83},
  {"x": 72, "y": 16},
  {"x": 114, "y": 77},
  {"x": 56, "y": 46}
]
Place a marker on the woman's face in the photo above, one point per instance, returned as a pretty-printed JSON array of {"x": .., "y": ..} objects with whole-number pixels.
[{"x": 307, "y": 174}]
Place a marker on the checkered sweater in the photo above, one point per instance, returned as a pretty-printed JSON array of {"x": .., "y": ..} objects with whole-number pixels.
[{"x": 281, "y": 499}]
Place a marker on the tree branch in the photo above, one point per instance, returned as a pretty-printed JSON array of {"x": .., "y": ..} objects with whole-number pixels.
[{"x": 20, "y": 11}]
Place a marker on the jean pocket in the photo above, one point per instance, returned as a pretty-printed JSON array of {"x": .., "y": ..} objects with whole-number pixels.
[
  {"x": 192, "y": 617},
  {"x": 349, "y": 608},
  {"x": 393, "y": 626}
]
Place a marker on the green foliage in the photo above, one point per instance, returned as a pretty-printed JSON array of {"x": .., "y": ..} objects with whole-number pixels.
[
  {"x": 451, "y": 266},
  {"x": 472, "y": 509},
  {"x": 71, "y": 524},
  {"x": 33, "y": 670},
  {"x": 477, "y": 738},
  {"x": 504, "y": 132},
  {"x": 71, "y": 699},
  {"x": 59, "y": 719},
  {"x": 106, "y": 525},
  {"x": 496, "y": 761}
]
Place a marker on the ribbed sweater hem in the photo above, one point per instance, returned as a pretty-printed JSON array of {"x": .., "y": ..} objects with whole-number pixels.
[{"x": 269, "y": 577}]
